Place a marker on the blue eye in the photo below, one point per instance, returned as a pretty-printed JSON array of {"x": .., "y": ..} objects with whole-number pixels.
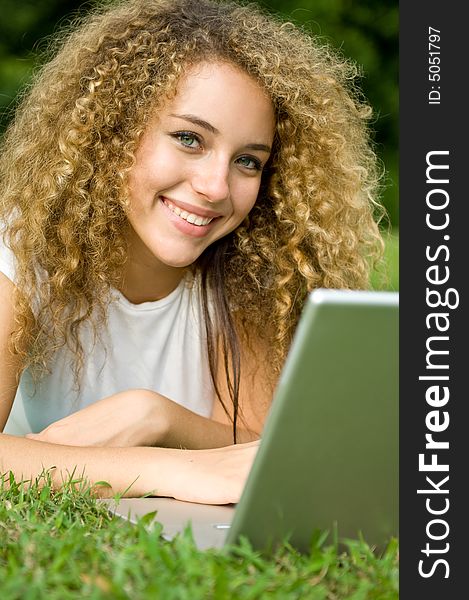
[
  {"x": 250, "y": 162},
  {"x": 188, "y": 139}
]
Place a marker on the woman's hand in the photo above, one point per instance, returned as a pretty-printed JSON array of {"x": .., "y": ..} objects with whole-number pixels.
[
  {"x": 130, "y": 418},
  {"x": 215, "y": 476}
]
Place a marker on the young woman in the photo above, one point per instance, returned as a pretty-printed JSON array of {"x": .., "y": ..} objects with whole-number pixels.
[{"x": 176, "y": 180}]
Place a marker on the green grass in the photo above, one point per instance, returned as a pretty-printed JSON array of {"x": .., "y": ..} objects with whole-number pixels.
[{"x": 63, "y": 544}]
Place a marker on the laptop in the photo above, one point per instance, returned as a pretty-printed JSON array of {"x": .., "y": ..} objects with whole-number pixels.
[{"x": 328, "y": 458}]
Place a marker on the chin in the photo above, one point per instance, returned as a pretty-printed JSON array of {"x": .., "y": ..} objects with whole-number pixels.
[{"x": 178, "y": 262}]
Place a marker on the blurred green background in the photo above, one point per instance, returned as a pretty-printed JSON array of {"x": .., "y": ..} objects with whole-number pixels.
[{"x": 363, "y": 30}]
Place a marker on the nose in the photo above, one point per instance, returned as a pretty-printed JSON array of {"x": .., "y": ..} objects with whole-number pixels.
[{"x": 210, "y": 178}]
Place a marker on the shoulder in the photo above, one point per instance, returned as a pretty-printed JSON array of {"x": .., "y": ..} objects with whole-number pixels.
[
  {"x": 9, "y": 363},
  {"x": 7, "y": 258},
  {"x": 257, "y": 381}
]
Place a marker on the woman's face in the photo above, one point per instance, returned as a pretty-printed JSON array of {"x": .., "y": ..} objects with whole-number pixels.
[{"x": 198, "y": 167}]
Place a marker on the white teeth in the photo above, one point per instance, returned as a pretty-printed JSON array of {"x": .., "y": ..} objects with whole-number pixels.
[{"x": 189, "y": 217}]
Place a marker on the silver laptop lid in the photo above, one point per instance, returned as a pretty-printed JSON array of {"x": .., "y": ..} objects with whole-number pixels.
[{"x": 329, "y": 453}]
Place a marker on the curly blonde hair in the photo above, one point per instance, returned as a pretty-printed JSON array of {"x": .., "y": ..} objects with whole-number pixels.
[{"x": 66, "y": 156}]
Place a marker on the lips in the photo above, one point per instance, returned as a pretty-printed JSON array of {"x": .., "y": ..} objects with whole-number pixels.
[
  {"x": 185, "y": 211},
  {"x": 189, "y": 217}
]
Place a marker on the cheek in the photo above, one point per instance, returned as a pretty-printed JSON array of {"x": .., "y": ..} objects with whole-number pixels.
[
  {"x": 154, "y": 166},
  {"x": 246, "y": 196}
]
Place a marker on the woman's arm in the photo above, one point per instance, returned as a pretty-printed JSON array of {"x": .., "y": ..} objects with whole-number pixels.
[
  {"x": 207, "y": 476},
  {"x": 9, "y": 364},
  {"x": 140, "y": 418}
]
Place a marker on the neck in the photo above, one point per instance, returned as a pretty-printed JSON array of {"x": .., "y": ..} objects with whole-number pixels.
[
  {"x": 144, "y": 285},
  {"x": 147, "y": 279}
]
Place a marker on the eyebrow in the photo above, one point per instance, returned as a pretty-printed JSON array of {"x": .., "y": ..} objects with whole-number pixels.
[
  {"x": 209, "y": 127},
  {"x": 197, "y": 121},
  {"x": 261, "y": 147}
]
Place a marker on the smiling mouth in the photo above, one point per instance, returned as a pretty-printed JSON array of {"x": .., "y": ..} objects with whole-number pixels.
[{"x": 187, "y": 216}]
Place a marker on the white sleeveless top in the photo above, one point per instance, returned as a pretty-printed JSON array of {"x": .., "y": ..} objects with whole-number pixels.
[{"x": 160, "y": 346}]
